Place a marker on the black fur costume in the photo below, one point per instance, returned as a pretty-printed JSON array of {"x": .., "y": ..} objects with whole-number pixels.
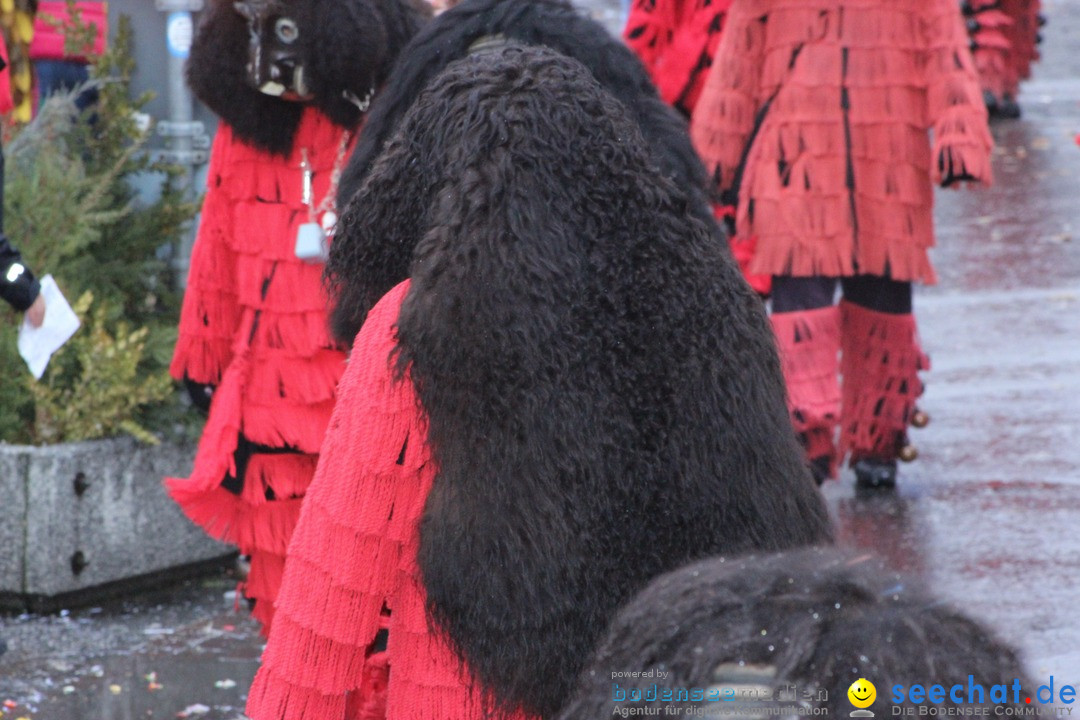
[
  {"x": 814, "y": 619},
  {"x": 603, "y": 391},
  {"x": 551, "y": 23},
  {"x": 348, "y": 45}
]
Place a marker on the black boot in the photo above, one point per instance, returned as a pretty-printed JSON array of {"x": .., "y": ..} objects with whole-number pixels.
[
  {"x": 1007, "y": 108},
  {"x": 874, "y": 473},
  {"x": 821, "y": 469}
]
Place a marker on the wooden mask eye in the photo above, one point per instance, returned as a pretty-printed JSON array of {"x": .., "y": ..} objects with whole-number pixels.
[{"x": 286, "y": 30}]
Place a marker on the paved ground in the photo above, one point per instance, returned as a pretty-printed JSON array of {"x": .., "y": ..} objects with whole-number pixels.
[
  {"x": 988, "y": 516},
  {"x": 990, "y": 513}
]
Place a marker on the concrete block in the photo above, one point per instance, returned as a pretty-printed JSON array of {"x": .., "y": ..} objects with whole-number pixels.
[
  {"x": 12, "y": 517},
  {"x": 93, "y": 513}
]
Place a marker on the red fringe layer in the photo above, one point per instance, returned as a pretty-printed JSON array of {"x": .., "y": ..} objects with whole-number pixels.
[
  {"x": 880, "y": 362},
  {"x": 263, "y": 613},
  {"x": 991, "y": 49},
  {"x": 211, "y": 310},
  {"x": 244, "y": 265},
  {"x": 743, "y": 249},
  {"x": 226, "y": 517},
  {"x": 369, "y": 702},
  {"x": 1022, "y": 35},
  {"x": 809, "y": 345}
]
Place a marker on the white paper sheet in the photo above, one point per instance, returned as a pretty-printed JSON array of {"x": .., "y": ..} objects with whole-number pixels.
[{"x": 37, "y": 345}]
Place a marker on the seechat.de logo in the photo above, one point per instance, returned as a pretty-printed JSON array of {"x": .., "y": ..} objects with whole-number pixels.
[{"x": 862, "y": 694}]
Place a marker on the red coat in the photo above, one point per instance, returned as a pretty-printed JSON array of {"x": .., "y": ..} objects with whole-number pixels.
[
  {"x": 1023, "y": 34},
  {"x": 6, "y": 103},
  {"x": 49, "y": 39},
  {"x": 254, "y": 324},
  {"x": 989, "y": 29},
  {"x": 822, "y": 107},
  {"x": 354, "y": 553}
]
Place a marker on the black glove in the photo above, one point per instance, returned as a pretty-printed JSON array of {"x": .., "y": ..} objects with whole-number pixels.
[
  {"x": 201, "y": 393},
  {"x": 951, "y": 174},
  {"x": 17, "y": 284}
]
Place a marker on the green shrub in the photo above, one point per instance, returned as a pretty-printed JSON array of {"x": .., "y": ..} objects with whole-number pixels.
[{"x": 97, "y": 388}]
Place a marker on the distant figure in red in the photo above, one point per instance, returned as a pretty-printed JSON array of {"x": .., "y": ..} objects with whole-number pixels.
[
  {"x": 813, "y": 123},
  {"x": 676, "y": 39},
  {"x": 254, "y": 346},
  {"x": 58, "y": 69},
  {"x": 1004, "y": 39}
]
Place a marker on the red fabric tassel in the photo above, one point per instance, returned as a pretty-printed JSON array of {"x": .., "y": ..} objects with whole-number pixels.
[
  {"x": 809, "y": 345},
  {"x": 216, "y": 510},
  {"x": 743, "y": 251},
  {"x": 880, "y": 362},
  {"x": 280, "y": 476},
  {"x": 263, "y": 613},
  {"x": 210, "y": 314},
  {"x": 225, "y": 516},
  {"x": 369, "y": 702},
  {"x": 215, "y": 456}
]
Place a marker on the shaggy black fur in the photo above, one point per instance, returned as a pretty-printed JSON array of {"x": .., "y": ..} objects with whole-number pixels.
[
  {"x": 819, "y": 619},
  {"x": 604, "y": 396},
  {"x": 347, "y": 45},
  {"x": 551, "y": 23}
]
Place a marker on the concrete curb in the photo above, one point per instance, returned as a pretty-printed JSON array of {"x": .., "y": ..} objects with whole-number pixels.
[{"x": 78, "y": 517}]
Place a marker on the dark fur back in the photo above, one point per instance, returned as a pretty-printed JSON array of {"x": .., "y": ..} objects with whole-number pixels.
[
  {"x": 347, "y": 45},
  {"x": 604, "y": 397},
  {"x": 551, "y": 23},
  {"x": 821, "y": 619}
]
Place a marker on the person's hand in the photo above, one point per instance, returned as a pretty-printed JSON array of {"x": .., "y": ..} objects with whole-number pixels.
[{"x": 36, "y": 312}]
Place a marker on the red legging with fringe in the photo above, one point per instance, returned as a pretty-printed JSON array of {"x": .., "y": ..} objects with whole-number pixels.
[{"x": 874, "y": 333}]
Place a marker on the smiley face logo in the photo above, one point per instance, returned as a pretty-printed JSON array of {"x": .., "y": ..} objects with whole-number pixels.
[{"x": 862, "y": 693}]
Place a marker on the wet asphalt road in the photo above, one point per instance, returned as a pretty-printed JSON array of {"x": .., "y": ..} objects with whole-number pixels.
[{"x": 988, "y": 517}]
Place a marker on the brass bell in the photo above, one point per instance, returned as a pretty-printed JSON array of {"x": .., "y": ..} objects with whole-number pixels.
[
  {"x": 909, "y": 453},
  {"x": 919, "y": 419}
]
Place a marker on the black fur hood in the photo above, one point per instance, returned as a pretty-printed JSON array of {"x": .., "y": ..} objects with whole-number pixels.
[
  {"x": 554, "y": 24},
  {"x": 348, "y": 45}
]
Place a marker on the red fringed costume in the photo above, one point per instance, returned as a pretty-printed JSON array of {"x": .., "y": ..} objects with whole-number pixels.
[
  {"x": 1024, "y": 35},
  {"x": 814, "y": 124},
  {"x": 1004, "y": 38},
  {"x": 354, "y": 554},
  {"x": 254, "y": 324},
  {"x": 676, "y": 40}
]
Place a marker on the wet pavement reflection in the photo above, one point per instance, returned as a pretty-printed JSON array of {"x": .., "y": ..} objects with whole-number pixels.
[
  {"x": 988, "y": 517},
  {"x": 184, "y": 652}
]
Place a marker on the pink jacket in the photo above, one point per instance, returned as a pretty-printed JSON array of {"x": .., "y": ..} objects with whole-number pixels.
[{"x": 48, "y": 42}]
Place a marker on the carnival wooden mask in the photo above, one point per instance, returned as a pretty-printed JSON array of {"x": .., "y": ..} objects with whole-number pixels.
[{"x": 275, "y": 64}]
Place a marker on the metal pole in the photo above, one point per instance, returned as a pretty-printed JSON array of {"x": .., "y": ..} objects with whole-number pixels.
[{"x": 186, "y": 140}]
